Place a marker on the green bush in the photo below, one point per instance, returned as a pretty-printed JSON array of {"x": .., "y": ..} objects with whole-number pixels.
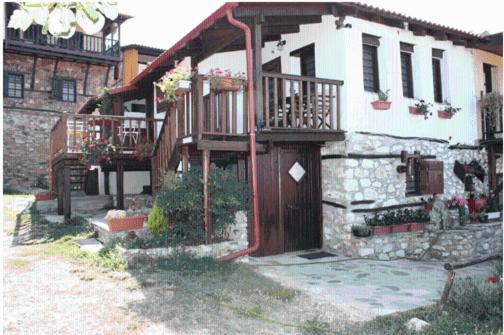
[
  {"x": 181, "y": 200},
  {"x": 399, "y": 216},
  {"x": 157, "y": 222}
]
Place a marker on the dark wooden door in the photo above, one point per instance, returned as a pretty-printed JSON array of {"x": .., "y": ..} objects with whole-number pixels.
[
  {"x": 300, "y": 197},
  {"x": 290, "y": 204}
]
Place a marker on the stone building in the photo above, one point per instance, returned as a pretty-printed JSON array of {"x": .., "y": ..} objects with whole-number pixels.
[{"x": 45, "y": 76}]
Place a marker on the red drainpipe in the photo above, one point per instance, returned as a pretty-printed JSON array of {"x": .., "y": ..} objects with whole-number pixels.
[{"x": 253, "y": 161}]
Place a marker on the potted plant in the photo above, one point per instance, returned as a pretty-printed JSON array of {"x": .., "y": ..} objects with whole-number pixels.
[
  {"x": 44, "y": 196},
  {"x": 398, "y": 221},
  {"x": 119, "y": 220},
  {"x": 361, "y": 231},
  {"x": 461, "y": 205},
  {"x": 175, "y": 83},
  {"x": 143, "y": 151},
  {"x": 382, "y": 103},
  {"x": 421, "y": 108},
  {"x": 492, "y": 103},
  {"x": 96, "y": 151},
  {"x": 225, "y": 80},
  {"x": 448, "y": 111}
]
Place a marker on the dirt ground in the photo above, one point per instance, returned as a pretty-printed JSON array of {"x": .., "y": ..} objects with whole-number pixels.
[{"x": 47, "y": 293}]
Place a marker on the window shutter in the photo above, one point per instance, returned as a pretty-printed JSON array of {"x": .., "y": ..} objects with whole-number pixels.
[
  {"x": 57, "y": 88},
  {"x": 437, "y": 53},
  {"x": 431, "y": 180},
  {"x": 370, "y": 40}
]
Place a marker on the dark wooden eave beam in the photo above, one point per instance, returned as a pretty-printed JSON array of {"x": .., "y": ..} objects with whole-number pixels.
[
  {"x": 279, "y": 9},
  {"x": 239, "y": 146},
  {"x": 417, "y": 30}
]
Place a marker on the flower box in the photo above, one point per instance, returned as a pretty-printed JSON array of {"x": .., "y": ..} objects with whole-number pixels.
[
  {"x": 182, "y": 87},
  {"x": 381, "y": 105},
  {"x": 476, "y": 205},
  {"x": 444, "y": 115},
  {"x": 428, "y": 207},
  {"x": 44, "y": 196},
  {"x": 413, "y": 110},
  {"x": 226, "y": 85},
  {"x": 400, "y": 228},
  {"x": 127, "y": 223},
  {"x": 493, "y": 215},
  {"x": 381, "y": 230},
  {"x": 417, "y": 226}
]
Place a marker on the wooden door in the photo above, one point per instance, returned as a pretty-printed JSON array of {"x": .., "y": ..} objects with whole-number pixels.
[
  {"x": 300, "y": 197},
  {"x": 289, "y": 199}
]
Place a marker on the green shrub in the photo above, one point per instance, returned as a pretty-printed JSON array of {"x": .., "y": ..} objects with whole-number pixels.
[
  {"x": 157, "y": 222},
  {"x": 181, "y": 200},
  {"x": 361, "y": 231},
  {"x": 399, "y": 216}
]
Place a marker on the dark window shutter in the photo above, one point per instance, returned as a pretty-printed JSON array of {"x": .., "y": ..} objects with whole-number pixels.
[
  {"x": 431, "y": 179},
  {"x": 370, "y": 68},
  {"x": 436, "y": 75},
  {"x": 407, "y": 74},
  {"x": 406, "y": 47},
  {"x": 57, "y": 88}
]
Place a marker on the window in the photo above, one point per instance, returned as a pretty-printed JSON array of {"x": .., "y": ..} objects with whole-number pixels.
[
  {"x": 412, "y": 184},
  {"x": 13, "y": 85},
  {"x": 437, "y": 55},
  {"x": 64, "y": 89},
  {"x": 138, "y": 108},
  {"x": 370, "y": 62},
  {"x": 407, "y": 70},
  {"x": 424, "y": 177},
  {"x": 487, "y": 70}
]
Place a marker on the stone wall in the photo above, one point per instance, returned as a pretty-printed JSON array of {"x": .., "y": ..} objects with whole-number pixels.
[
  {"x": 346, "y": 180},
  {"x": 28, "y": 121}
]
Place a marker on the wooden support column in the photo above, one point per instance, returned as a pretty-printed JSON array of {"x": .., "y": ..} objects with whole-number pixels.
[
  {"x": 257, "y": 68},
  {"x": 120, "y": 185},
  {"x": 59, "y": 189},
  {"x": 185, "y": 159},
  {"x": 67, "y": 193},
  {"x": 106, "y": 181},
  {"x": 492, "y": 173},
  {"x": 206, "y": 201}
]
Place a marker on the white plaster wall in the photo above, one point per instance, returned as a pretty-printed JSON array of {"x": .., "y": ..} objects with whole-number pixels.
[
  {"x": 133, "y": 182},
  {"x": 338, "y": 55}
]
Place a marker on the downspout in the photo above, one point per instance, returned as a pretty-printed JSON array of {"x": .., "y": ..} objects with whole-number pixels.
[{"x": 252, "y": 140}]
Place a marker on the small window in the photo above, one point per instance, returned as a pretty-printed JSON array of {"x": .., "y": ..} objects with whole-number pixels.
[
  {"x": 13, "y": 85},
  {"x": 64, "y": 89},
  {"x": 431, "y": 177},
  {"x": 370, "y": 63},
  {"x": 487, "y": 70},
  {"x": 412, "y": 178},
  {"x": 138, "y": 108},
  {"x": 436, "y": 74},
  {"x": 407, "y": 74}
]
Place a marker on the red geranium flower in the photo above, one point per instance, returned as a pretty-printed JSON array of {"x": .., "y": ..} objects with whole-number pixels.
[{"x": 492, "y": 280}]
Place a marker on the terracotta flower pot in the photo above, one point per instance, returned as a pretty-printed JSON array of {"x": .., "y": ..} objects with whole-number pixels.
[
  {"x": 381, "y": 105},
  {"x": 417, "y": 226},
  {"x": 400, "y": 228},
  {"x": 444, "y": 115},
  {"x": 226, "y": 85},
  {"x": 381, "y": 230},
  {"x": 413, "y": 110},
  {"x": 428, "y": 207},
  {"x": 44, "y": 196},
  {"x": 128, "y": 223}
]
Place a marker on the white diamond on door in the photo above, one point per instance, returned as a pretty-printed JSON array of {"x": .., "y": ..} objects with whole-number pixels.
[{"x": 297, "y": 172}]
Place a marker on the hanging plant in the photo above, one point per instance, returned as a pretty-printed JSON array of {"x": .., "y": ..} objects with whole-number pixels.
[
  {"x": 492, "y": 102},
  {"x": 171, "y": 83},
  {"x": 96, "y": 151},
  {"x": 421, "y": 108},
  {"x": 225, "y": 80},
  {"x": 448, "y": 111},
  {"x": 143, "y": 151},
  {"x": 105, "y": 104}
]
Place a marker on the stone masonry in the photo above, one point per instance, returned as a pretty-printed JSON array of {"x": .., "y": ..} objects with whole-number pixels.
[
  {"x": 346, "y": 180},
  {"x": 28, "y": 121}
]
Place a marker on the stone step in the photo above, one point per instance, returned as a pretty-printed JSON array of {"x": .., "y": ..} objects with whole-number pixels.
[{"x": 81, "y": 204}]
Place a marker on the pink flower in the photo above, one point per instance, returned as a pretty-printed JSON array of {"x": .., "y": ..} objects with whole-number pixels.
[
  {"x": 492, "y": 280},
  {"x": 461, "y": 202}
]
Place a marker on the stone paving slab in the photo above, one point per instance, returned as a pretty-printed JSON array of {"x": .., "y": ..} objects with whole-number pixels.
[
  {"x": 365, "y": 288},
  {"x": 90, "y": 245}
]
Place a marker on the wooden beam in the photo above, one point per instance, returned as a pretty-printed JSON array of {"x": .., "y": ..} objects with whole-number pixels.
[
  {"x": 67, "y": 192},
  {"x": 185, "y": 159},
  {"x": 59, "y": 188},
  {"x": 417, "y": 30},
  {"x": 107, "y": 76},
  {"x": 206, "y": 196},
  {"x": 120, "y": 185},
  {"x": 239, "y": 146},
  {"x": 32, "y": 82},
  {"x": 257, "y": 68},
  {"x": 84, "y": 86},
  {"x": 106, "y": 177}
]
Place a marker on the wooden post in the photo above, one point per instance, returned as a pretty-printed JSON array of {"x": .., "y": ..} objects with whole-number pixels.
[
  {"x": 106, "y": 176},
  {"x": 67, "y": 193},
  {"x": 120, "y": 185},
  {"x": 492, "y": 172},
  {"x": 257, "y": 68},
  {"x": 206, "y": 200},
  {"x": 447, "y": 288},
  {"x": 185, "y": 159},
  {"x": 59, "y": 189}
]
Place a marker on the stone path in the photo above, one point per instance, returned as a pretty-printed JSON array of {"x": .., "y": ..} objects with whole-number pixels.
[{"x": 364, "y": 288}]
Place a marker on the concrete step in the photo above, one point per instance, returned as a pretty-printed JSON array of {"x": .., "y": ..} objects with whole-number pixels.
[{"x": 80, "y": 204}]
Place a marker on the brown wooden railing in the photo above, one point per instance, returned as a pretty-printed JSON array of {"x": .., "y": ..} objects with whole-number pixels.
[{"x": 301, "y": 102}]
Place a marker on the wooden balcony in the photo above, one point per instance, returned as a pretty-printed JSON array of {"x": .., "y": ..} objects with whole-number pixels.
[
  {"x": 79, "y": 46},
  {"x": 491, "y": 125}
]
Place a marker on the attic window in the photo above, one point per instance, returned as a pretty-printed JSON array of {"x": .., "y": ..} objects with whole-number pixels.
[
  {"x": 370, "y": 46},
  {"x": 407, "y": 69}
]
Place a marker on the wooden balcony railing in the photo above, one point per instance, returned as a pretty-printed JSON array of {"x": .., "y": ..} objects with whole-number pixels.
[
  {"x": 122, "y": 132},
  {"x": 491, "y": 122},
  {"x": 301, "y": 102},
  {"x": 79, "y": 43}
]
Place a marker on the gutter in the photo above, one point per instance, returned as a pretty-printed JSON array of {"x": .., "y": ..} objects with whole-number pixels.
[{"x": 252, "y": 139}]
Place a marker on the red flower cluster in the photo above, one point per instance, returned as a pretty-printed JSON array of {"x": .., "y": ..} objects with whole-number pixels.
[
  {"x": 492, "y": 280},
  {"x": 143, "y": 151}
]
